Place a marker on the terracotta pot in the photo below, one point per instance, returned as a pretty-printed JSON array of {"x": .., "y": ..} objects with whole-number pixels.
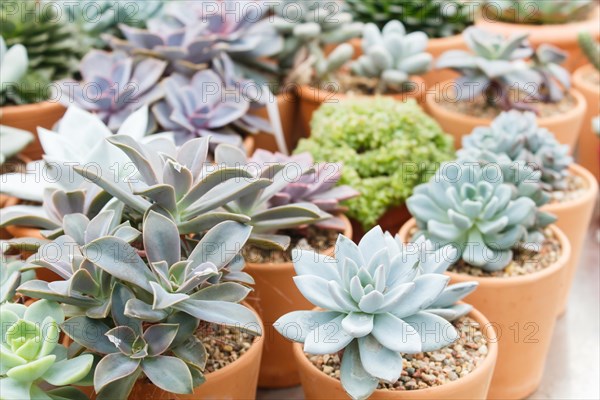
[
  {"x": 574, "y": 218},
  {"x": 391, "y": 221},
  {"x": 563, "y": 36},
  {"x": 288, "y": 105},
  {"x": 523, "y": 311},
  {"x": 274, "y": 295},
  {"x": 311, "y": 98},
  {"x": 564, "y": 126},
  {"x": 588, "y": 148},
  {"x": 29, "y": 117},
  {"x": 317, "y": 385}
]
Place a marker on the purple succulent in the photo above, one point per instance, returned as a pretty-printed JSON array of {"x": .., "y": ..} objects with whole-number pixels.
[
  {"x": 203, "y": 106},
  {"x": 316, "y": 186},
  {"x": 189, "y": 33},
  {"x": 114, "y": 85}
]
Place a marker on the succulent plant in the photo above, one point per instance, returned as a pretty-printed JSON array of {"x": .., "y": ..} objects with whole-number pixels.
[
  {"x": 32, "y": 358},
  {"x": 590, "y": 48},
  {"x": 51, "y": 45},
  {"x": 470, "y": 207},
  {"x": 79, "y": 140},
  {"x": 385, "y": 147},
  {"x": 374, "y": 297},
  {"x": 265, "y": 217},
  {"x": 498, "y": 65},
  {"x": 317, "y": 185},
  {"x": 12, "y": 141},
  {"x": 92, "y": 18},
  {"x": 392, "y": 56},
  {"x": 114, "y": 85},
  {"x": 518, "y": 136},
  {"x": 319, "y": 68},
  {"x": 437, "y": 18},
  {"x": 204, "y": 106},
  {"x": 538, "y": 11},
  {"x": 13, "y": 67},
  {"x": 190, "y": 34},
  {"x": 309, "y": 26},
  {"x": 11, "y": 275}
]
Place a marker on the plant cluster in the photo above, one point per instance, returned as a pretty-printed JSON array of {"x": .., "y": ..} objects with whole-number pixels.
[
  {"x": 386, "y": 148},
  {"x": 380, "y": 298},
  {"x": 437, "y": 18},
  {"x": 538, "y": 11},
  {"x": 502, "y": 68}
]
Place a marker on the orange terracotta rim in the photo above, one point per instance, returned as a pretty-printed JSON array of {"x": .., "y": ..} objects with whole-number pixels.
[
  {"x": 265, "y": 267},
  {"x": 436, "y": 44},
  {"x": 578, "y": 80},
  {"x": 477, "y": 374},
  {"x": 509, "y": 281},
  {"x": 430, "y": 98},
  {"x": 590, "y": 193},
  {"x": 44, "y": 106}
]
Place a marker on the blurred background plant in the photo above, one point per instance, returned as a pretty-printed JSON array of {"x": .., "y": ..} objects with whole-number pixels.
[{"x": 539, "y": 11}]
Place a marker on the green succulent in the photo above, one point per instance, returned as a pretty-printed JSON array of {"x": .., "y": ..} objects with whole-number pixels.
[
  {"x": 51, "y": 46},
  {"x": 539, "y": 11},
  {"x": 437, "y": 18},
  {"x": 386, "y": 148},
  {"x": 590, "y": 48},
  {"x": 11, "y": 275},
  {"x": 32, "y": 358},
  {"x": 12, "y": 141},
  {"x": 470, "y": 207}
]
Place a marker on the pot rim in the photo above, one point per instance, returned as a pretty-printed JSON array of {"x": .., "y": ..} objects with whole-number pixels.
[
  {"x": 263, "y": 267},
  {"x": 478, "y": 373},
  {"x": 523, "y": 280},
  {"x": 430, "y": 96},
  {"x": 590, "y": 193},
  {"x": 41, "y": 106},
  {"x": 579, "y": 82}
]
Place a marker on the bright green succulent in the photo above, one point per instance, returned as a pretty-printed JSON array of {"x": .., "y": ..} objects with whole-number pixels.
[
  {"x": 538, "y": 11},
  {"x": 32, "y": 358},
  {"x": 470, "y": 207},
  {"x": 11, "y": 275},
  {"x": 437, "y": 18},
  {"x": 386, "y": 147},
  {"x": 12, "y": 141},
  {"x": 590, "y": 48}
]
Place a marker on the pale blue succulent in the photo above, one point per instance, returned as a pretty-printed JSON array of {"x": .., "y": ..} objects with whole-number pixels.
[
  {"x": 12, "y": 274},
  {"x": 12, "y": 141},
  {"x": 470, "y": 207},
  {"x": 13, "y": 67},
  {"x": 378, "y": 299}
]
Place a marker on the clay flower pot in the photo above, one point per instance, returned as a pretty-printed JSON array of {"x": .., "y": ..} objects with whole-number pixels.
[
  {"x": 274, "y": 295},
  {"x": 317, "y": 385},
  {"x": 574, "y": 218},
  {"x": 588, "y": 153},
  {"x": 311, "y": 98},
  {"x": 563, "y": 36},
  {"x": 28, "y": 117},
  {"x": 391, "y": 221},
  {"x": 565, "y": 126},
  {"x": 523, "y": 312},
  {"x": 435, "y": 47},
  {"x": 288, "y": 104}
]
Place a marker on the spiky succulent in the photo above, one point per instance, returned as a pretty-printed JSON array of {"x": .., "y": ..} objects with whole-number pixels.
[
  {"x": 205, "y": 106},
  {"x": 190, "y": 34},
  {"x": 114, "y": 85},
  {"x": 12, "y": 141},
  {"x": 13, "y": 67},
  {"x": 265, "y": 217},
  {"x": 470, "y": 207},
  {"x": 310, "y": 25},
  {"x": 538, "y": 11},
  {"x": 590, "y": 48},
  {"x": 375, "y": 298},
  {"x": 11, "y": 275},
  {"x": 497, "y": 66},
  {"x": 93, "y": 18},
  {"x": 318, "y": 185},
  {"x": 391, "y": 56},
  {"x": 437, "y": 18},
  {"x": 34, "y": 364},
  {"x": 51, "y": 45},
  {"x": 518, "y": 136}
]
